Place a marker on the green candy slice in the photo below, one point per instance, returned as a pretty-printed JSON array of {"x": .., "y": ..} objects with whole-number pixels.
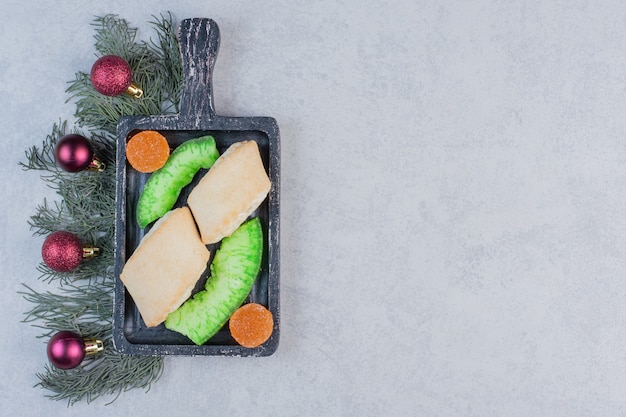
[
  {"x": 233, "y": 271},
  {"x": 164, "y": 186}
]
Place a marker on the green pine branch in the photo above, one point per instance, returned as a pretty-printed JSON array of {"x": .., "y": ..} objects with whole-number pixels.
[
  {"x": 157, "y": 70},
  {"x": 83, "y": 299},
  {"x": 109, "y": 375}
]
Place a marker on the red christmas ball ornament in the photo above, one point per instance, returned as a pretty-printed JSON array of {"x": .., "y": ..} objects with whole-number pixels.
[
  {"x": 74, "y": 153},
  {"x": 111, "y": 75},
  {"x": 66, "y": 350},
  {"x": 62, "y": 251}
]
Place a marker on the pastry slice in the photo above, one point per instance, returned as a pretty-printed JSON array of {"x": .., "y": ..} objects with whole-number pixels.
[
  {"x": 233, "y": 188},
  {"x": 163, "y": 270}
]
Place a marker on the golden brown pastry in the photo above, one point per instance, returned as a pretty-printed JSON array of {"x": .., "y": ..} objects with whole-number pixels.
[
  {"x": 163, "y": 270},
  {"x": 233, "y": 188}
]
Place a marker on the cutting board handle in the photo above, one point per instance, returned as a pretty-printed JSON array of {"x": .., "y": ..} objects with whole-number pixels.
[{"x": 199, "y": 41}]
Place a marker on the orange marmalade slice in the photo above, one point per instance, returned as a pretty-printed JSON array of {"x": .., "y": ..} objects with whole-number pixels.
[
  {"x": 251, "y": 325},
  {"x": 147, "y": 151}
]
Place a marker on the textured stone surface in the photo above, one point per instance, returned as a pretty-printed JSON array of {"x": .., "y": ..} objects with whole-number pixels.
[{"x": 452, "y": 205}]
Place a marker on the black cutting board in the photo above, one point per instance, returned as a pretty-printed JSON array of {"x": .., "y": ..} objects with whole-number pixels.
[{"x": 199, "y": 40}]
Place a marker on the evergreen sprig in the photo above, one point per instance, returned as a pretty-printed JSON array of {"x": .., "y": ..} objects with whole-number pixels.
[
  {"x": 110, "y": 379},
  {"x": 157, "y": 70},
  {"x": 83, "y": 300}
]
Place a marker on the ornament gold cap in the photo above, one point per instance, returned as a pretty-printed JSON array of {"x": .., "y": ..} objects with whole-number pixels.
[
  {"x": 96, "y": 165},
  {"x": 93, "y": 346},
  {"x": 134, "y": 91},
  {"x": 90, "y": 251}
]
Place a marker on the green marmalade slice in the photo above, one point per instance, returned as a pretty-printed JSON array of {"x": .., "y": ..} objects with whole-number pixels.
[
  {"x": 233, "y": 271},
  {"x": 162, "y": 189}
]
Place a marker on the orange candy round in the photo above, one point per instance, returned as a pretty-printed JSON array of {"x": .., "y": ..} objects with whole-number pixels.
[
  {"x": 147, "y": 151},
  {"x": 251, "y": 325}
]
